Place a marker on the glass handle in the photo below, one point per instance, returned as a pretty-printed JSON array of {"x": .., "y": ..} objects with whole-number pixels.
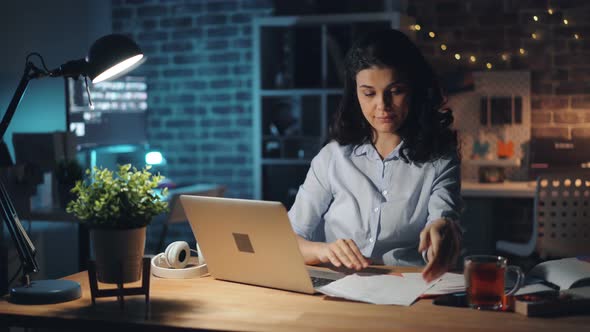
[{"x": 519, "y": 279}]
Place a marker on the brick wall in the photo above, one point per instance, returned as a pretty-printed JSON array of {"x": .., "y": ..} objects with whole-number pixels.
[
  {"x": 198, "y": 67},
  {"x": 559, "y": 63}
]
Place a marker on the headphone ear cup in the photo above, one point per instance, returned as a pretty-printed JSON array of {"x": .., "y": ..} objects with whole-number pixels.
[{"x": 177, "y": 254}]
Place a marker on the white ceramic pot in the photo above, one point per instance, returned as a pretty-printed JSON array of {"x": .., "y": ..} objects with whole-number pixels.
[{"x": 118, "y": 254}]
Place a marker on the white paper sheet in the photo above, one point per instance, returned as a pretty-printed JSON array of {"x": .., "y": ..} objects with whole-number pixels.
[
  {"x": 377, "y": 289},
  {"x": 448, "y": 283}
]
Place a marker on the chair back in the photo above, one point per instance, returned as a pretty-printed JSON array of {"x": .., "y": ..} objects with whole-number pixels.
[{"x": 562, "y": 215}]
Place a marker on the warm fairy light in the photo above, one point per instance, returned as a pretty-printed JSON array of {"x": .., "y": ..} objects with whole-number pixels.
[
  {"x": 417, "y": 27},
  {"x": 443, "y": 47},
  {"x": 488, "y": 65},
  {"x": 521, "y": 51},
  {"x": 536, "y": 18},
  {"x": 457, "y": 56},
  {"x": 550, "y": 11},
  {"x": 472, "y": 58},
  {"x": 432, "y": 34},
  {"x": 577, "y": 36},
  {"x": 565, "y": 21},
  {"x": 534, "y": 35},
  {"x": 505, "y": 57}
]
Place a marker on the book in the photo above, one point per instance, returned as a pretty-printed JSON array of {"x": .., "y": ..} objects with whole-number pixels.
[
  {"x": 571, "y": 275},
  {"x": 564, "y": 273},
  {"x": 554, "y": 303}
]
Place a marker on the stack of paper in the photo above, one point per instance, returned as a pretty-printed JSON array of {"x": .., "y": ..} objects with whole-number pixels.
[
  {"x": 448, "y": 283},
  {"x": 377, "y": 289}
]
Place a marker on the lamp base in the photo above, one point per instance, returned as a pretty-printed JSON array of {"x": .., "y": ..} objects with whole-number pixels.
[{"x": 46, "y": 292}]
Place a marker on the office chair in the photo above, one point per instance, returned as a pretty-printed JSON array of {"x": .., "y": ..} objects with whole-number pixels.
[
  {"x": 561, "y": 224},
  {"x": 176, "y": 213}
]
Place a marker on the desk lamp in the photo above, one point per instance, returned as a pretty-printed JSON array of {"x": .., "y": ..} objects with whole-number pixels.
[{"x": 109, "y": 57}]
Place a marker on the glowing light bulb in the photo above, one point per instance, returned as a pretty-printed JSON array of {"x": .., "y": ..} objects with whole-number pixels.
[
  {"x": 534, "y": 35},
  {"x": 550, "y": 11},
  {"x": 521, "y": 51},
  {"x": 443, "y": 47},
  {"x": 472, "y": 58},
  {"x": 457, "y": 56},
  {"x": 536, "y": 18},
  {"x": 576, "y": 36},
  {"x": 489, "y": 65},
  {"x": 565, "y": 21},
  {"x": 431, "y": 34},
  {"x": 154, "y": 158},
  {"x": 417, "y": 27}
]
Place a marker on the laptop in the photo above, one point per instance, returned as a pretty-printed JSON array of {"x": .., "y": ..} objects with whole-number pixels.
[{"x": 251, "y": 242}]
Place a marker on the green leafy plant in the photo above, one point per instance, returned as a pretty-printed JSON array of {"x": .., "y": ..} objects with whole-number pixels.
[{"x": 122, "y": 200}]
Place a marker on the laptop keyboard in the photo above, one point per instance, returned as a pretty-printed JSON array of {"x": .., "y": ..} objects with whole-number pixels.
[{"x": 318, "y": 282}]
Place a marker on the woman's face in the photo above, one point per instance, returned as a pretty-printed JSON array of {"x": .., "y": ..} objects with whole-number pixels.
[{"x": 384, "y": 99}]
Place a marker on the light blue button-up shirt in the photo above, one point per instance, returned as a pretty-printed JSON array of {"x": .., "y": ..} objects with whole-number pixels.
[{"x": 351, "y": 193}]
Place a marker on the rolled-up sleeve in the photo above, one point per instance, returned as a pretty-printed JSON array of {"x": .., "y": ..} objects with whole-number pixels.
[
  {"x": 445, "y": 198},
  {"x": 314, "y": 196}
]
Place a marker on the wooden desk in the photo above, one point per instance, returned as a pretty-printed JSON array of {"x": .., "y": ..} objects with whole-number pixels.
[{"x": 209, "y": 304}]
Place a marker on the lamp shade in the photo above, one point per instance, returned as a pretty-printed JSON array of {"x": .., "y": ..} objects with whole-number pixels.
[{"x": 112, "y": 56}]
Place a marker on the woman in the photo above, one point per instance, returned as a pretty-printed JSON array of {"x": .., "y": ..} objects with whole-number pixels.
[{"x": 386, "y": 189}]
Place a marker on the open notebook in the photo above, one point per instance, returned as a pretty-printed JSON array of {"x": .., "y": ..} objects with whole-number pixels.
[{"x": 565, "y": 273}]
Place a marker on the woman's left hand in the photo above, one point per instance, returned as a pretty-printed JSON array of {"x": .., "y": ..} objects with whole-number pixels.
[{"x": 442, "y": 239}]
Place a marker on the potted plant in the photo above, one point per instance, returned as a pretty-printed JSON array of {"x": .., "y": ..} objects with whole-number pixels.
[{"x": 117, "y": 207}]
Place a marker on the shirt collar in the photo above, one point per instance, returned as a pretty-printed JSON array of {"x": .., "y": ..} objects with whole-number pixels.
[{"x": 367, "y": 149}]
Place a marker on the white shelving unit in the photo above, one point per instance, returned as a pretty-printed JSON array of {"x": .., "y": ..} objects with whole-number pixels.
[{"x": 296, "y": 89}]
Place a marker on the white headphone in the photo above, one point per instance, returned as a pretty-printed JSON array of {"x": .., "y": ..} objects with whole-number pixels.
[{"x": 177, "y": 263}]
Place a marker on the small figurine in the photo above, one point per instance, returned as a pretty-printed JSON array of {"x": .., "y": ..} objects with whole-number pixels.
[
  {"x": 505, "y": 148},
  {"x": 481, "y": 147}
]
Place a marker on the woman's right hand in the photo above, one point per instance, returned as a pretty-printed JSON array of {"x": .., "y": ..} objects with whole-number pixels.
[{"x": 340, "y": 252}]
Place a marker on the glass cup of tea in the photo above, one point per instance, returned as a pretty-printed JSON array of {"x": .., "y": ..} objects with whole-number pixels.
[{"x": 485, "y": 277}]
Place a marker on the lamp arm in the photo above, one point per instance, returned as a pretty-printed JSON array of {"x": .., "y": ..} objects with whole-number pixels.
[
  {"x": 74, "y": 69},
  {"x": 31, "y": 72},
  {"x": 24, "y": 246}
]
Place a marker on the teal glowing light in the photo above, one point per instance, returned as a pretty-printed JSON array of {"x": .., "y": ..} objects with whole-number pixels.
[{"x": 154, "y": 158}]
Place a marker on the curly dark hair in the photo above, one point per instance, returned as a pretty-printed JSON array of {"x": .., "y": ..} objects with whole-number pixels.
[{"x": 426, "y": 132}]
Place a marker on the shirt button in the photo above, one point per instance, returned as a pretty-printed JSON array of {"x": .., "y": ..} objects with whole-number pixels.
[
  {"x": 386, "y": 163},
  {"x": 376, "y": 209},
  {"x": 371, "y": 240},
  {"x": 384, "y": 192}
]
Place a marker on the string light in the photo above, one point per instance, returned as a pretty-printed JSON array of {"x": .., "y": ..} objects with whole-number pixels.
[{"x": 505, "y": 56}]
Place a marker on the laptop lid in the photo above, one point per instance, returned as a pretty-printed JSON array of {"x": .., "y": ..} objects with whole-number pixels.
[{"x": 247, "y": 241}]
